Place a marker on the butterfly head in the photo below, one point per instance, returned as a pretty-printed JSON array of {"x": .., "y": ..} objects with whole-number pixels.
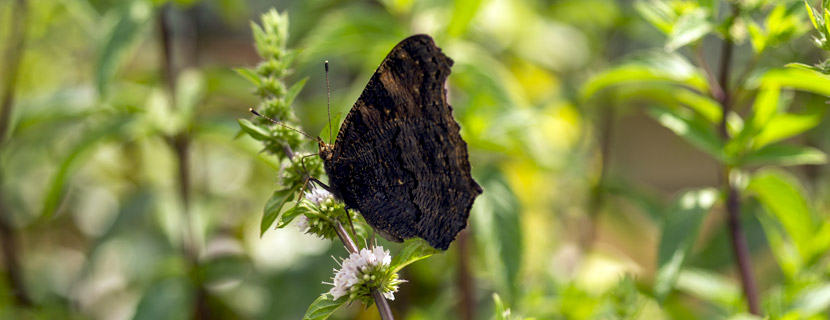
[{"x": 325, "y": 150}]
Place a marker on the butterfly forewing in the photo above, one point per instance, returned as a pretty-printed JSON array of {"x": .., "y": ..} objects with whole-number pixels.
[{"x": 399, "y": 158}]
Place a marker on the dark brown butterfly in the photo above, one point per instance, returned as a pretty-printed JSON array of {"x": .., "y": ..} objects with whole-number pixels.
[{"x": 399, "y": 158}]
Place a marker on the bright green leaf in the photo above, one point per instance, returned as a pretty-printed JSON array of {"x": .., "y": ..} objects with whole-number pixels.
[
  {"x": 413, "y": 249},
  {"x": 323, "y": 307},
  {"x": 784, "y": 126},
  {"x": 653, "y": 67},
  {"x": 709, "y": 286},
  {"x": 500, "y": 312},
  {"x": 679, "y": 233},
  {"x": 462, "y": 14},
  {"x": 813, "y": 300},
  {"x": 784, "y": 199},
  {"x": 696, "y": 131},
  {"x": 253, "y": 130},
  {"x": 784, "y": 155},
  {"x": 798, "y": 79},
  {"x": 274, "y": 206},
  {"x": 689, "y": 28},
  {"x": 811, "y": 14}
]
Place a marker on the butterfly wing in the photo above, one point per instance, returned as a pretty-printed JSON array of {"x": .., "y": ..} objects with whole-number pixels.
[{"x": 399, "y": 158}]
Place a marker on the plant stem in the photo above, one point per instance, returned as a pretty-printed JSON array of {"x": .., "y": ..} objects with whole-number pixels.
[
  {"x": 733, "y": 196},
  {"x": 465, "y": 280},
  {"x": 8, "y": 233},
  {"x": 180, "y": 142}
]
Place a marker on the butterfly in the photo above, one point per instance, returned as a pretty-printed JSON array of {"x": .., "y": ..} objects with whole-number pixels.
[{"x": 399, "y": 158}]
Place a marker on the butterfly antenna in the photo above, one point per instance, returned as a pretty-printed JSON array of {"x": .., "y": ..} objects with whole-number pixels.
[
  {"x": 281, "y": 124},
  {"x": 328, "y": 99}
]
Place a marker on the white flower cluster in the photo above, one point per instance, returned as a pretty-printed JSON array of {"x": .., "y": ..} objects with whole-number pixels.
[
  {"x": 319, "y": 196},
  {"x": 363, "y": 272}
]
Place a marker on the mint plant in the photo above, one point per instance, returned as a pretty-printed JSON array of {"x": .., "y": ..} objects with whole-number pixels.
[{"x": 370, "y": 273}]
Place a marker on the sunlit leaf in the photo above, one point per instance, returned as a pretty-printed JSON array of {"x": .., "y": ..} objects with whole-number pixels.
[
  {"x": 709, "y": 286},
  {"x": 413, "y": 249},
  {"x": 813, "y": 300},
  {"x": 689, "y": 28},
  {"x": 323, "y": 307},
  {"x": 784, "y": 199},
  {"x": 132, "y": 18},
  {"x": 657, "y": 67},
  {"x": 500, "y": 312},
  {"x": 462, "y": 14},
  {"x": 696, "y": 131},
  {"x": 784, "y": 126},
  {"x": 784, "y": 155},
  {"x": 798, "y": 79},
  {"x": 274, "y": 207},
  {"x": 679, "y": 233}
]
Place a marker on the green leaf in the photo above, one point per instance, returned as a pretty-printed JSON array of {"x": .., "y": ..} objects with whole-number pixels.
[
  {"x": 290, "y": 214},
  {"x": 689, "y": 28},
  {"x": 249, "y": 74},
  {"x": 413, "y": 249},
  {"x": 765, "y": 106},
  {"x": 703, "y": 105},
  {"x": 658, "y": 13},
  {"x": 168, "y": 298},
  {"x": 253, "y": 130},
  {"x": 811, "y": 14},
  {"x": 679, "y": 233},
  {"x": 782, "y": 247},
  {"x": 784, "y": 155},
  {"x": 323, "y": 307},
  {"x": 499, "y": 310},
  {"x": 462, "y": 14},
  {"x": 813, "y": 300},
  {"x": 802, "y": 66},
  {"x": 798, "y": 79},
  {"x": 294, "y": 91},
  {"x": 693, "y": 129},
  {"x": 274, "y": 206},
  {"x": 334, "y": 126},
  {"x": 132, "y": 18},
  {"x": 784, "y": 199},
  {"x": 659, "y": 67},
  {"x": 76, "y": 157},
  {"x": 709, "y": 286},
  {"x": 496, "y": 222},
  {"x": 784, "y": 126}
]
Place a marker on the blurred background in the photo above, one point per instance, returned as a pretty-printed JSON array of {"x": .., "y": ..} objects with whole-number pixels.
[{"x": 122, "y": 140}]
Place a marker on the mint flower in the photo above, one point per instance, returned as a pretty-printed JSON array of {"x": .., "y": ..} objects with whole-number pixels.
[{"x": 363, "y": 272}]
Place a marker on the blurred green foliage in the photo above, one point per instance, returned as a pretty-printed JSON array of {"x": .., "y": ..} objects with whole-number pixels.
[{"x": 130, "y": 197}]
